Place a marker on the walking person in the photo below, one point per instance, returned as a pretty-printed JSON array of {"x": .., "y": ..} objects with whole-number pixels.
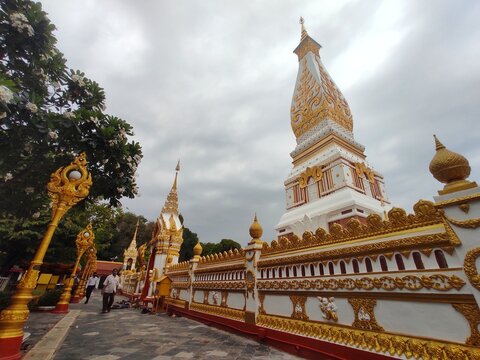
[
  {"x": 110, "y": 286},
  {"x": 92, "y": 283}
]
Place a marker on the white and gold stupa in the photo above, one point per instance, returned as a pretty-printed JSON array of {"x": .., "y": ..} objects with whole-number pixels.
[
  {"x": 330, "y": 181},
  {"x": 167, "y": 237}
]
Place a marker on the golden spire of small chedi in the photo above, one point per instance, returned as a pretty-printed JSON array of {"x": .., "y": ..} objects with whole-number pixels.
[
  {"x": 450, "y": 168},
  {"x": 130, "y": 254}
]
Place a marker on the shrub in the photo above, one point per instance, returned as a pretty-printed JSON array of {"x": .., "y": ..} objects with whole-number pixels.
[{"x": 49, "y": 298}]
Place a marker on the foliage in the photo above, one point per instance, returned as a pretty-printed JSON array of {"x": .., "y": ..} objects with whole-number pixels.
[
  {"x": 190, "y": 239},
  {"x": 50, "y": 113},
  {"x": 49, "y": 297}
]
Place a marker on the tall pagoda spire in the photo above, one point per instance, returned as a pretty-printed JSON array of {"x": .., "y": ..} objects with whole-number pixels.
[
  {"x": 171, "y": 204},
  {"x": 330, "y": 181}
]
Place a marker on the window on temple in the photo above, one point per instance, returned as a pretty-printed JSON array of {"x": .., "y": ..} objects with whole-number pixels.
[
  {"x": 399, "y": 260},
  {"x": 383, "y": 263},
  {"x": 331, "y": 269},
  {"x": 287, "y": 272},
  {"x": 368, "y": 264},
  {"x": 294, "y": 271},
  {"x": 312, "y": 270},
  {"x": 280, "y": 272},
  {"x": 356, "y": 268},
  {"x": 343, "y": 269},
  {"x": 417, "y": 258},
  {"x": 320, "y": 269},
  {"x": 303, "y": 271},
  {"x": 441, "y": 261}
]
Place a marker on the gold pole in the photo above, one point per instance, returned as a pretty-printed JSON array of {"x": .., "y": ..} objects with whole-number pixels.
[
  {"x": 68, "y": 185},
  {"x": 90, "y": 267},
  {"x": 83, "y": 242}
]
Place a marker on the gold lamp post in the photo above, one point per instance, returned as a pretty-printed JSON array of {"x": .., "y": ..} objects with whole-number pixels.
[
  {"x": 68, "y": 185},
  {"x": 90, "y": 266},
  {"x": 83, "y": 242}
]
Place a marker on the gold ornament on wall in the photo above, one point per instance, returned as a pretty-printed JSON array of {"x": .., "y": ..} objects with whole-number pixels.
[
  {"x": 470, "y": 267},
  {"x": 472, "y": 314},
  {"x": 310, "y": 172},
  {"x": 298, "y": 303},
  {"x": 364, "y": 314}
]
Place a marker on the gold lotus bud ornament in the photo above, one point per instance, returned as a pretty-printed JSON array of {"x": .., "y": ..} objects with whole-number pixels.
[
  {"x": 255, "y": 231},
  {"x": 451, "y": 169},
  {"x": 197, "y": 250}
]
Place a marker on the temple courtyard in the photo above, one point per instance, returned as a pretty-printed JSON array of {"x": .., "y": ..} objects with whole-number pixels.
[{"x": 129, "y": 334}]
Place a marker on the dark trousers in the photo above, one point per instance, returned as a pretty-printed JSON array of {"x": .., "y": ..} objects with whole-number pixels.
[
  {"x": 108, "y": 301},
  {"x": 89, "y": 292}
]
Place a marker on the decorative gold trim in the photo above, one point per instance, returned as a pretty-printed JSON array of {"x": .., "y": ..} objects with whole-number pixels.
[
  {"x": 437, "y": 282},
  {"x": 395, "y": 345},
  {"x": 361, "y": 168},
  {"x": 261, "y": 299},
  {"x": 417, "y": 242},
  {"x": 176, "y": 302},
  {"x": 181, "y": 284},
  {"x": 469, "y": 224},
  {"x": 218, "y": 284},
  {"x": 472, "y": 314},
  {"x": 223, "y": 302},
  {"x": 457, "y": 200},
  {"x": 221, "y": 257},
  {"x": 315, "y": 172},
  {"x": 464, "y": 207},
  {"x": 470, "y": 267},
  {"x": 219, "y": 311},
  {"x": 425, "y": 215},
  {"x": 298, "y": 305},
  {"x": 250, "y": 282},
  {"x": 206, "y": 270},
  {"x": 364, "y": 314}
]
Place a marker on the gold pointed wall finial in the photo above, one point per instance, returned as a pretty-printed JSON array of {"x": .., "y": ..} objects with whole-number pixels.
[
  {"x": 304, "y": 31},
  {"x": 451, "y": 169},
  {"x": 255, "y": 231},
  {"x": 197, "y": 249},
  {"x": 171, "y": 205}
]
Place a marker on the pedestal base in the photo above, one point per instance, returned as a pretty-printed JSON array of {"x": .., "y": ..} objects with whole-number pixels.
[
  {"x": 75, "y": 300},
  {"x": 10, "y": 348},
  {"x": 60, "y": 309}
]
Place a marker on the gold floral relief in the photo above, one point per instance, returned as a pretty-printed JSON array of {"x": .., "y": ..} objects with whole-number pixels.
[
  {"x": 261, "y": 299},
  {"x": 437, "y": 282},
  {"x": 472, "y": 314},
  {"x": 379, "y": 342},
  {"x": 314, "y": 102},
  {"x": 314, "y": 172},
  {"x": 470, "y": 267},
  {"x": 364, "y": 314},
  {"x": 205, "y": 296},
  {"x": 219, "y": 285},
  {"x": 298, "y": 303},
  {"x": 468, "y": 224},
  {"x": 361, "y": 169}
]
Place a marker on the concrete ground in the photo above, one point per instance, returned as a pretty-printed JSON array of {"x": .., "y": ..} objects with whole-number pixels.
[{"x": 129, "y": 334}]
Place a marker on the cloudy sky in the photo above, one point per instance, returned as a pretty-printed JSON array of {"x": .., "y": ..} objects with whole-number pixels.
[{"x": 211, "y": 82}]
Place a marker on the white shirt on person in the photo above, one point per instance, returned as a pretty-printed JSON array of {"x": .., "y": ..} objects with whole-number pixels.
[
  {"x": 111, "y": 284},
  {"x": 93, "y": 281}
]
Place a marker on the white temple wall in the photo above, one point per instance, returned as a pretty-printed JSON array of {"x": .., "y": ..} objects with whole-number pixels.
[
  {"x": 433, "y": 320},
  {"x": 236, "y": 300}
]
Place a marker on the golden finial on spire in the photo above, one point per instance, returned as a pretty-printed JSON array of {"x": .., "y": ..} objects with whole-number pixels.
[
  {"x": 177, "y": 168},
  {"x": 451, "y": 169},
  {"x": 197, "y": 250},
  {"x": 304, "y": 32}
]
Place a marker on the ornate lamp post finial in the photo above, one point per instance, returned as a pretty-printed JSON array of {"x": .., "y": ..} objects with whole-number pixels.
[{"x": 68, "y": 185}]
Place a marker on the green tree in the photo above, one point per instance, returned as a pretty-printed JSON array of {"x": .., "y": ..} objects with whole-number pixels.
[
  {"x": 190, "y": 239},
  {"x": 48, "y": 114},
  {"x": 223, "y": 245}
]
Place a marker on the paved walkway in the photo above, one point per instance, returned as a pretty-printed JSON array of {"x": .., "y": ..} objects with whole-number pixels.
[{"x": 129, "y": 334}]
